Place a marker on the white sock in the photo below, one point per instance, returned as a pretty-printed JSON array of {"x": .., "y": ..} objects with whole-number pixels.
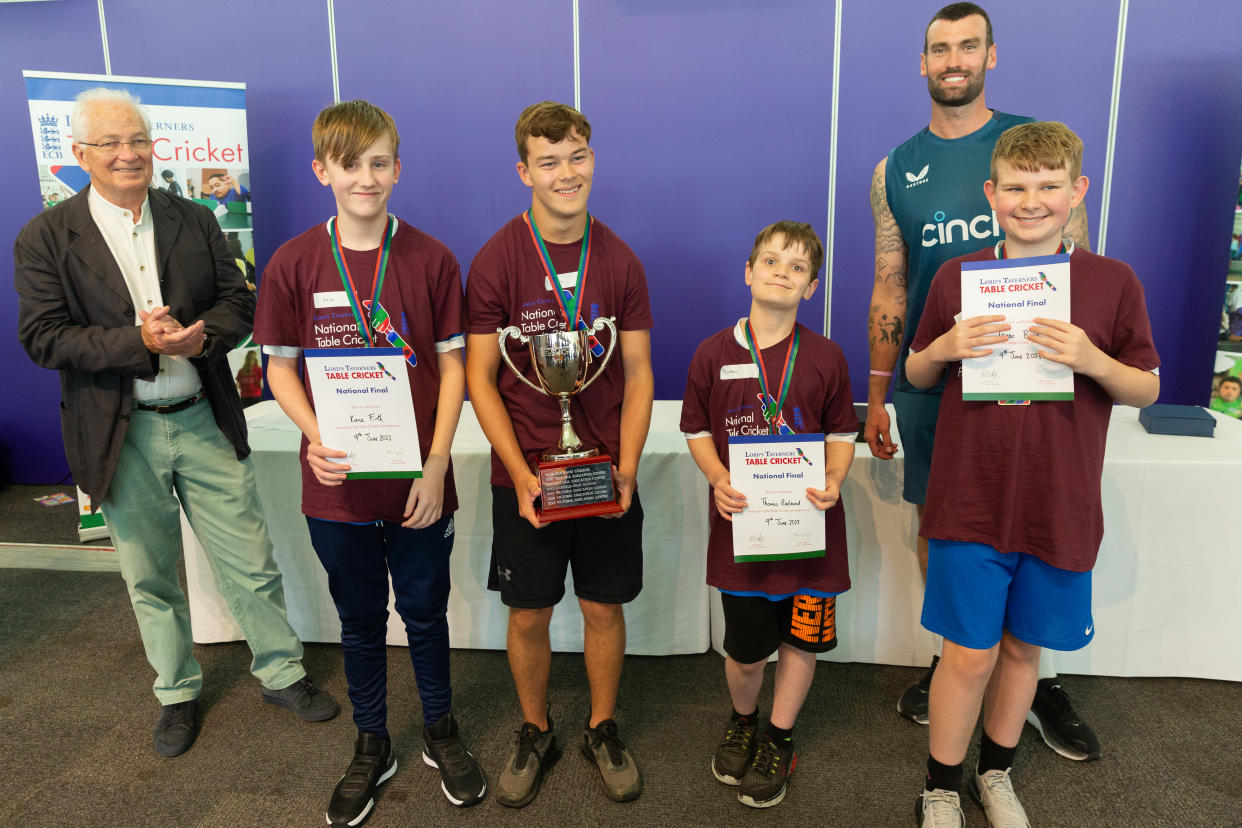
[{"x": 1046, "y": 669}]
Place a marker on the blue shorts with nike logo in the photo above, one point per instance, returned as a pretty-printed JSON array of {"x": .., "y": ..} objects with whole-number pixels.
[{"x": 975, "y": 592}]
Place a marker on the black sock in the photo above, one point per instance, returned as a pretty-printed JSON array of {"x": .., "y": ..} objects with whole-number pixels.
[
  {"x": 747, "y": 718},
  {"x": 992, "y": 756},
  {"x": 944, "y": 777},
  {"x": 779, "y": 734}
]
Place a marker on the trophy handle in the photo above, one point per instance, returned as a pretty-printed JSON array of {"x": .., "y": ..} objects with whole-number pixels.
[
  {"x": 601, "y": 323},
  {"x": 515, "y": 332}
]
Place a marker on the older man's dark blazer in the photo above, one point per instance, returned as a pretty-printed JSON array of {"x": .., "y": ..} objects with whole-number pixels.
[{"x": 75, "y": 315}]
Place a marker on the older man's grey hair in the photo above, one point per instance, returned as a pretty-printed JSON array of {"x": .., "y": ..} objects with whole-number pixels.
[{"x": 88, "y": 100}]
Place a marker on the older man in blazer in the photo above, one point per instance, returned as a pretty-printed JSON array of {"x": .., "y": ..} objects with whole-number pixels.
[{"x": 131, "y": 295}]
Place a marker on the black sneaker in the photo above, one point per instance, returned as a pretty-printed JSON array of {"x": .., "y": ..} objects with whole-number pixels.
[
  {"x": 461, "y": 778},
  {"x": 603, "y": 748},
  {"x": 535, "y": 754},
  {"x": 736, "y": 749},
  {"x": 308, "y": 702},
  {"x": 354, "y": 796},
  {"x": 764, "y": 783},
  {"x": 913, "y": 702},
  {"x": 1063, "y": 729},
  {"x": 177, "y": 727}
]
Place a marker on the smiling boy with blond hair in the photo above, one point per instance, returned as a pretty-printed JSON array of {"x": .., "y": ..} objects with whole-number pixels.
[
  {"x": 1013, "y": 514},
  {"x": 372, "y": 276}
]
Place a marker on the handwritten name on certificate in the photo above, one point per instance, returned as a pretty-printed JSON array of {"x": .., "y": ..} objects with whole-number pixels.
[
  {"x": 1019, "y": 289},
  {"x": 773, "y": 471},
  {"x": 364, "y": 408}
]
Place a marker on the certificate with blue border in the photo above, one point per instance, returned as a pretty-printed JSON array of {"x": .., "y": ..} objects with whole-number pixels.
[{"x": 364, "y": 408}]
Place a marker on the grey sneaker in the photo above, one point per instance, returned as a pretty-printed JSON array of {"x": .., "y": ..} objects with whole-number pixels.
[
  {"x": 939, "y": 809},
  {"x": 602, "y": 747},
  {"x": 994, "y": 792},
  {"x": 534, "y": 755},
  {"x": 736, "y": 749}
]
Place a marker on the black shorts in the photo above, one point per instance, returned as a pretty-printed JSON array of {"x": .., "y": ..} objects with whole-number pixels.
[
  {"x": 529, "y": 564},
  {"x": 755, "y": 627}
]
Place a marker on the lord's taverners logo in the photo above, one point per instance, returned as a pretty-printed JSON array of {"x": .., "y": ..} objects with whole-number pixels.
[{"x": 916, "y": 180}]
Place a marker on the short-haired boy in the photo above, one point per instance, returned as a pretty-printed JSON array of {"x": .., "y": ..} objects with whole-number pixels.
[
  {"x": 555, "y": 267},
  {"x": 1228, "y": 397},
  {"x": 767, "y": 374},
  {"x": 366, "y": 530},
  {"x": 1013, "y": 509}
]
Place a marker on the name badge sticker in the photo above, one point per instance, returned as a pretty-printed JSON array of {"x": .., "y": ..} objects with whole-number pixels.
[
  {"x": 567, "y": 280},
  {"x": 742, "y": 370},
  {"x": 332, "y": 299}
]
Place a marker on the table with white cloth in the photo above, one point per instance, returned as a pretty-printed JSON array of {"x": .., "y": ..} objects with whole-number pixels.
[{"x": 1166, "y": 595}]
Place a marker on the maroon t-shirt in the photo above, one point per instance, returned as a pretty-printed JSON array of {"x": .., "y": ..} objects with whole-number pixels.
[
  {"x": 302, "y": 303},
  {"x": 507, "y": 286},
  {"x": 722, "y": 397},
  {"x": 1026, "y": 478}
]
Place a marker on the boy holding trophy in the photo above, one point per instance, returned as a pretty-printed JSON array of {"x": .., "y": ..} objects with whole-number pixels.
[
  {"x": 552, "y": 272},
  {"x": 362, "y": 285},
  {"x": 758, "y": 384}
]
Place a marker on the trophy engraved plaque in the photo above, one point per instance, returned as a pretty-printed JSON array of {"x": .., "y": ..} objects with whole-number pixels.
[{"x": 574, "y": 480}]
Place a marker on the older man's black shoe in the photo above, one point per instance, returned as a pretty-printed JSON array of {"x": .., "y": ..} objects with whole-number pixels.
[
  {"x": 177, "y": 727},
  {"x": 308, "y": 702}
]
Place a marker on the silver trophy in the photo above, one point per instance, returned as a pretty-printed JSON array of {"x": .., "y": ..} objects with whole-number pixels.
[{"x": 561, "y": 360}]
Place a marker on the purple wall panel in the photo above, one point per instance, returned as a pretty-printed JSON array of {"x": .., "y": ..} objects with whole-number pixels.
[
  {"x": 52, "y": 37},
  {"x": 455, "y": 86},
  {"x": 1175, "y": 178},
  {"x": 883, "y": 101},
  {"x": 709, "y": 121},
  {"x": 281, "y": 57}
]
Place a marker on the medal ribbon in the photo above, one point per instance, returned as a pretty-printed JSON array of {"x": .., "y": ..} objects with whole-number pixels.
[
  {"x": 377, "y": 282},
  {"x": 570, "y": 306},
  {"x": 772, "y": 405},
  {"x": 1001, "y": 254}
]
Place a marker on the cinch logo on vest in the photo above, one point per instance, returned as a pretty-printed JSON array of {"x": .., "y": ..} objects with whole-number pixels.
[
  {"x": 982, "y": 226},
  {"x": 921, "y": 178}
]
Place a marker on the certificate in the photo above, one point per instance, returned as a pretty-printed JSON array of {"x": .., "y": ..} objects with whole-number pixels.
[
  {"x": 364, "y": 408},
  {"x": 1019, "y": 289},
  {"x": 779, "y": 523}
]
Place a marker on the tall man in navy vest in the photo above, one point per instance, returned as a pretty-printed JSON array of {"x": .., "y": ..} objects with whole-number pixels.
[
  {"x": 150, "y": 417},
  {"x": 928, "y": 203}
]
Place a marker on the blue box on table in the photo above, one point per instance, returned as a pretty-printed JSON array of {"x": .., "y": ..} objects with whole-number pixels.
[{"x": 1184, "y": 420}]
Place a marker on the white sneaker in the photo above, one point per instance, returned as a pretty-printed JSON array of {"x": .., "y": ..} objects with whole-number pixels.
[
  {"x": 994, "y": 792},
  {"x": 939, "y": 809}
]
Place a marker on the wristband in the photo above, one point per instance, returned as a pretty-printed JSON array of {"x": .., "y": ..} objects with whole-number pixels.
[{"x": 876, "y": 373}]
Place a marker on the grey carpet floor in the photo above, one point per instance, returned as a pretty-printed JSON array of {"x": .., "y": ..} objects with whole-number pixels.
[{"x": 76, "y": 714}]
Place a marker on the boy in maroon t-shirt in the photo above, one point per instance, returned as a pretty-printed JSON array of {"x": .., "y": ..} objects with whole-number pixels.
[
  {"x": 1013, "y": 509},
  {"x": 786, "y": 607},
  {"x": 365, "y": 278},
  {"x": 550, "y": 262}
]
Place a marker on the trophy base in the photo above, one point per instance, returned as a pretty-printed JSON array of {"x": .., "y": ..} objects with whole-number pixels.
[{"x": 577, "y": 487}]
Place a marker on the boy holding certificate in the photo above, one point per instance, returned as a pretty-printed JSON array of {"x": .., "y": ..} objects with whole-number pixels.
[
  {"x": 769, "y": 375},
  {"x": 366, "y": 279},
  {"x": 1013, "y": 508}
]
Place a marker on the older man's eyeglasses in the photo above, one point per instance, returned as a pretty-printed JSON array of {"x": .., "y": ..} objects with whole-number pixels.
[{"x": 138, "y": 145}]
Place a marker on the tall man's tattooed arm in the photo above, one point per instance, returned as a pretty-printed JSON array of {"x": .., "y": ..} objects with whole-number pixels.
[
  {"x": 1076, "y": 227},
  {"x": 888, "y": 302}
]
